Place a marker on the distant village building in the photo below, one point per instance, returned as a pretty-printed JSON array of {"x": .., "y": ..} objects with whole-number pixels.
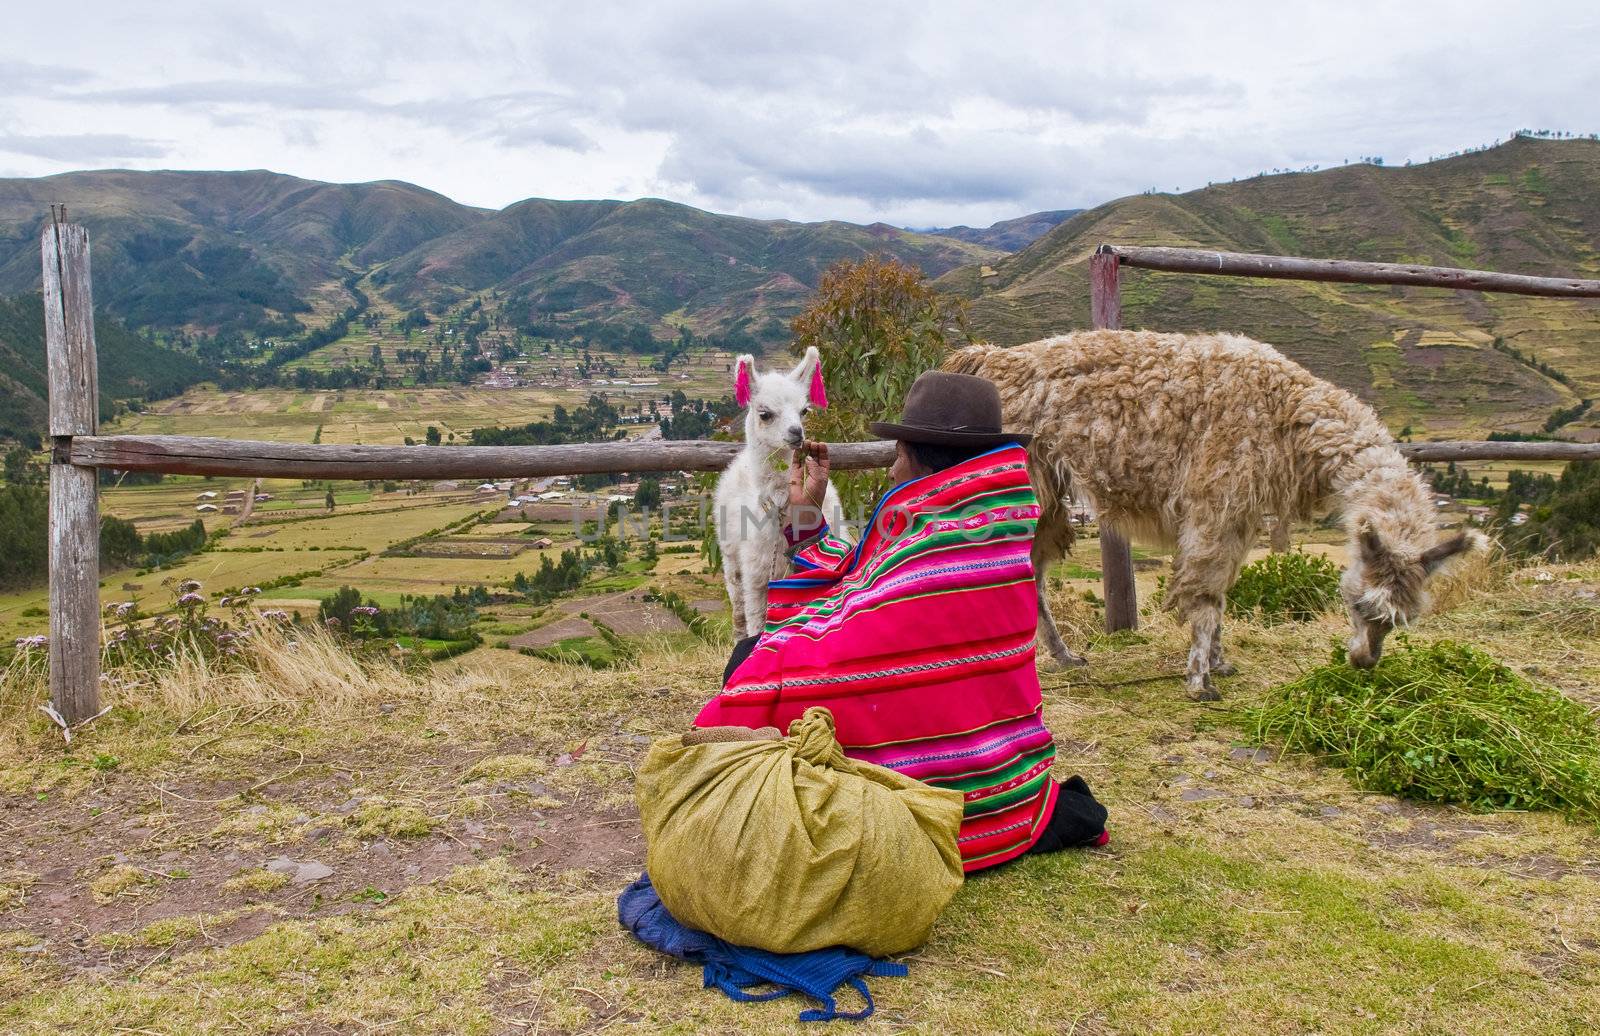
[{"x": 206, "y": 508}]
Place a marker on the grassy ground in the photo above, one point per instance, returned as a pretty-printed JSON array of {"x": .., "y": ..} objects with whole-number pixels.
[{"x": 165, "y": 873}]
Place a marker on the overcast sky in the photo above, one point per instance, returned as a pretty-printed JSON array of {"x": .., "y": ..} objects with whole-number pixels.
[{"x": 919, "y": 114}]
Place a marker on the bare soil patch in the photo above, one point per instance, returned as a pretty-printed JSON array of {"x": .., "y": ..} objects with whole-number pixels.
[{"x": 138, "y": 870}]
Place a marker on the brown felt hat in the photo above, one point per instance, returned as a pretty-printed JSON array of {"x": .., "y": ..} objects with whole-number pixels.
[{"x": 945, "y": 409}]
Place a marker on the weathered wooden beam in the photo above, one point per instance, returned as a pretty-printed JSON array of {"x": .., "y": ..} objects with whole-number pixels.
[
  {"x": 1285, "y": 267},
  {"x": 74, "y": 491},
  {"x": 1435, "y": 451},
  {"x": 1116, "y": 556},
  {"x": 189, "y": 455}
]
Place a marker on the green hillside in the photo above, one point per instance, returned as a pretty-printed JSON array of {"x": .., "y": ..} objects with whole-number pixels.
[
  {"x": 643, "y": 261},
  {"x": 130, "y": 367},
  {"x": 1424, "y": 356},
  {"x": 220, "y": 251}
]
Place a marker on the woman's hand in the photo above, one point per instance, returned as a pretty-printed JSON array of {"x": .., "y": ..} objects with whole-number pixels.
[{"x": 808, "y": 483}]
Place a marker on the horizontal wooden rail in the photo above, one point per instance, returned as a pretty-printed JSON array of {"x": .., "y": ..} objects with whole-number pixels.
[
  {"x": 1437, "y": 451},
  {"x": 190, "y": 455},
  {"x": 1284, "y": 267}
]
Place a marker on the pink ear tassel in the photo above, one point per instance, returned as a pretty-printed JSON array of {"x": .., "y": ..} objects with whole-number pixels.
[
  {"x": 819, "y": 395},
  {"x": 741, "y": 384}
]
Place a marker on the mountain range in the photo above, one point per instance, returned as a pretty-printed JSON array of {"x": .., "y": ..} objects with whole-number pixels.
[
  {"x": 1445, "y": 362},
  {"x": 217, "y": 251},
  {"x": 265, "y": 254},
  {"x": 1010, "y": 235}
]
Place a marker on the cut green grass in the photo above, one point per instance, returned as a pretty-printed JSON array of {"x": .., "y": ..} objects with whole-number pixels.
[{"x": 1443, "y": 722}]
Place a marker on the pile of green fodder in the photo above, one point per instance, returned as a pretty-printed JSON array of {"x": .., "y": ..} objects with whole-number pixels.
[
  {"x": 1293, "y": 586},
  {"x": 1443, "y": 722}
]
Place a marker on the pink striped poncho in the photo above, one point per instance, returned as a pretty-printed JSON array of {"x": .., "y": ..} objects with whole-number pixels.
[{"x": 920, "y": 641}]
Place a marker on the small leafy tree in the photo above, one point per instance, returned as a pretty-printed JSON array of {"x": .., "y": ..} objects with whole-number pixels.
[
  {"x": 1565, "y": 519},
  {"x": 19, "y": 467},
  {"x": 120, "y": 542},
  {"x": 877, "y": 324}
]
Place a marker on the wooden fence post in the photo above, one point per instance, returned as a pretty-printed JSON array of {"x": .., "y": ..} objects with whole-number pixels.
[
  {"x": 74, "y": 504},
  {"x": 1116, "y": 557}
]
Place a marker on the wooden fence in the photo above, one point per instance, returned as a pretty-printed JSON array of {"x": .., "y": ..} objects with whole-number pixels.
[{"x": 78, "y": 453}]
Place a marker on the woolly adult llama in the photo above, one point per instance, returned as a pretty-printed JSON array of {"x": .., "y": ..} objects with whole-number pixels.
[{"x": 1188, "y": 440}]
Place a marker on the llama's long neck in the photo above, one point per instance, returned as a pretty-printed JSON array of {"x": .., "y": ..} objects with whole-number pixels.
[
  {"x": 1378, "y": 490},
  {"x": 1348, "y": 458}
]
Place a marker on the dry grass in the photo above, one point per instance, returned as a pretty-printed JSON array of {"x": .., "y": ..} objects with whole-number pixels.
[{"x": 1240, "y": 891}]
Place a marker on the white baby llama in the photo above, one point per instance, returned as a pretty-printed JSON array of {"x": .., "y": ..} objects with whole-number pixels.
[
  {"x": 752, "y": 498},
  {"x": 1188, "y": 440}
]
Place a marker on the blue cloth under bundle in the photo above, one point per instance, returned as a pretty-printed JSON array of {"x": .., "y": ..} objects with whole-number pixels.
[{"x": 734, "y": 969}]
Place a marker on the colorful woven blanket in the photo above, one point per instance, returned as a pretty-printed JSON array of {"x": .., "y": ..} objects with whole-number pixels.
[{"x": 919, "y": 639}]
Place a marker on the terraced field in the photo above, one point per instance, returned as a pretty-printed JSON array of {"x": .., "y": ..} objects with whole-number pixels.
[{"x": 1528, "y": 206}]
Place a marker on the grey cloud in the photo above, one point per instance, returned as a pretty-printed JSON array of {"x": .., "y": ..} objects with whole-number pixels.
[
  {"x": 84, "y": 148},
  {"x": 515, "y": 119},
  {"x": 743, "y": 161},
  {"x": 27, "y": 78},
  {"x": 912, "y": 112}
]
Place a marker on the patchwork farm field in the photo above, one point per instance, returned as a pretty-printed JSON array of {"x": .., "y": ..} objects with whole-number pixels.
[{"x": 364, "y": 416}]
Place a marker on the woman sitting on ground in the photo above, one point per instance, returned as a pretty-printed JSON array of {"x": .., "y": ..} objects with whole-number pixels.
[{"x": 920, "y": 637}]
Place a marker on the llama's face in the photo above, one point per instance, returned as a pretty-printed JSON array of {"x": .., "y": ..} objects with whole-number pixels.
[
  {"x": 1384, "y": 588},
  {"x": 777, "y": 402}
]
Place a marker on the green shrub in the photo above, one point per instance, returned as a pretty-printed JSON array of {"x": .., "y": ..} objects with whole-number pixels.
[
  {"x": 1290, "y": 587},
  {"x": 1442, "y": 723}
]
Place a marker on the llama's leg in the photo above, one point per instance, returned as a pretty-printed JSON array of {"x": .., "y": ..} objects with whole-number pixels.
[
  {"x": 1044, "y": 552},
  {"x": 734, "y": 580},
  {"x": 1219, "y": 665},
  {"x": 755, "y": 599},
  {"x": 1208, "y": 560},
  {"x": 1280, "y": 534},
  {"x": 1205, "y": 626}
]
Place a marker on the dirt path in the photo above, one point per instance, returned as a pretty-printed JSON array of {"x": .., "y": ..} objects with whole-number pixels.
[
  {"x": 141, "y": 868},
  {"x": 249, "y": 504}
]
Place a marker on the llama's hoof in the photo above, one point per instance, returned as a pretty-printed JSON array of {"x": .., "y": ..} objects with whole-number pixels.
[
  {"x": 1068, "y": 660},
  {"x": 1204, "y": 690},
  {"x": 1225, "y": 669}
]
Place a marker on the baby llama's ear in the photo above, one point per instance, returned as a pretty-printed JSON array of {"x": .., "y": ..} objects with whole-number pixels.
[
  {"x": 809, "y": 371},
  {"x": 744, "y": 371}
]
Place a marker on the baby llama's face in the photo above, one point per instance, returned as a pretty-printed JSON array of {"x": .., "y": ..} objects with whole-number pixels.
[{"x": 776, "y": 418}]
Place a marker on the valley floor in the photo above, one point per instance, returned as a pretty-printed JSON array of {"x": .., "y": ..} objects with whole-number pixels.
[{"x": 330, "y": 853}]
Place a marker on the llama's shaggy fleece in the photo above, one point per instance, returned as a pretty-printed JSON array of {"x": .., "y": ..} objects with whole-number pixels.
[{"x": 1189, "y": 440}]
